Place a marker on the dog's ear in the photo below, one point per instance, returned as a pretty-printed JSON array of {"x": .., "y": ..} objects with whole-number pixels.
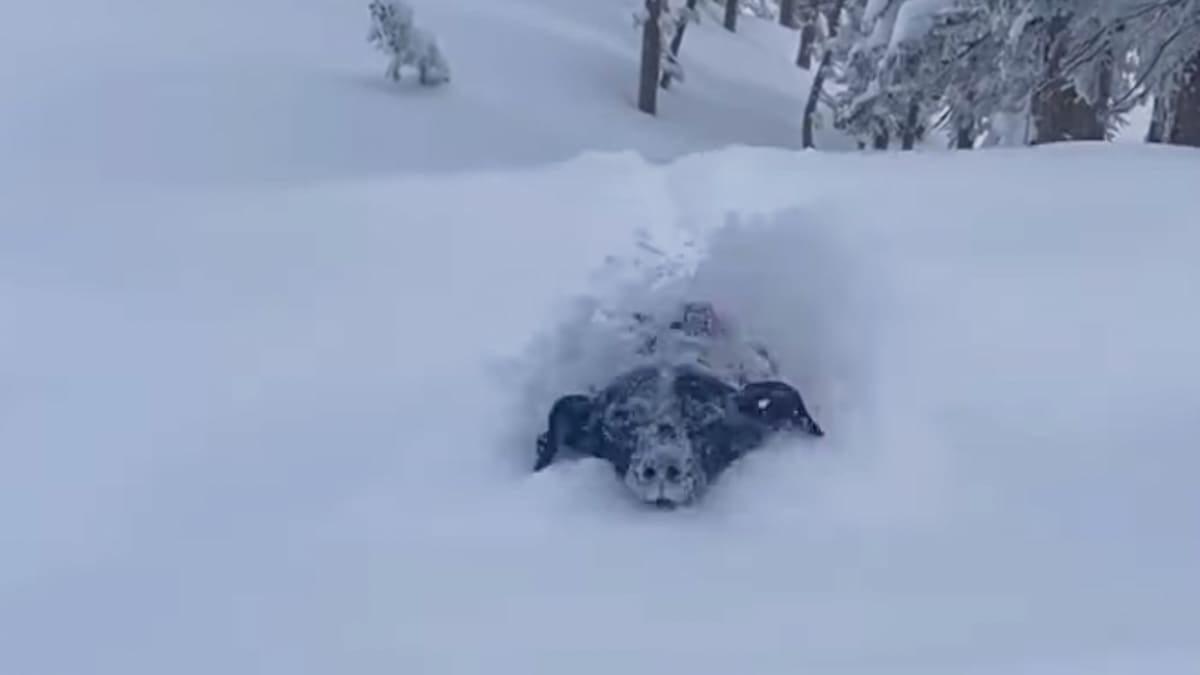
[
  {"x": 777, "y": 406},
  {"x": 567, "y": 426}
]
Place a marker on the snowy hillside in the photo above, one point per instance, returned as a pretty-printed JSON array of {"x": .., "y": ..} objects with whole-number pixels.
[
  {"x": 270, "y": 91},
  {"x": 275, "y": 336}
]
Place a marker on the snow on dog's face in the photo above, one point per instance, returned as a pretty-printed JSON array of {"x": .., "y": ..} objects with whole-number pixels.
[
  {"x": 664, "y": 469},
  {"x": 643, "y": 418}
]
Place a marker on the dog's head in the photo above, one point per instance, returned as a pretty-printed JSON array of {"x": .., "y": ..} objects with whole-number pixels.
[{"x": 656, "y": 422}]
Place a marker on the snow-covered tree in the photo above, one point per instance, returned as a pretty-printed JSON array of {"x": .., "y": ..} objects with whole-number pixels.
[
  {"x": 962, "y": 64},
  {"x": 679, "y": 20},
  {"x": 966, "y": 86},
  {"x": 1159, "y": 59},
  {"x": 831, "y": 19},
  {"x": 1100, "y": 59},
  {"x": 867, "y": 103},
  {"x": 1071, "y": 69},
  {"x": 394, "y": 32},
  {"x": 1068, "y": 98}
]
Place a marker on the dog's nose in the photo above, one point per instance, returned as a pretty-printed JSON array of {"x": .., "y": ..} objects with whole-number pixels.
[
  {"x": 665, "y": 468},
  {"x": 665, "y": 471}
]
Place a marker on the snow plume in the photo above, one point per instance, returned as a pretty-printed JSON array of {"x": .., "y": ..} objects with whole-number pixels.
[{"x": 793, "y": 302}]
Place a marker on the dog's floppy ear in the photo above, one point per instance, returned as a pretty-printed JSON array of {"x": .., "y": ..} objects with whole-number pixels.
[
  {"x": 567, "y": 426},
  {"x": 777, "y": 406}
]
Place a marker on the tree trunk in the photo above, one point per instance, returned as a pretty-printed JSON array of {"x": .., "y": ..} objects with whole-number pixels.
[
  {"x": 787, "y": 13},
  {"x": 677, "y": 41},
  {"x": 964, "y": 136},
  {"x": 1059, "y": 112},
  {"x": 1102, "y": 108},
  {"x": 1158, "y": 122},
  {"x": 910, "y": 132},
  {"x": 731, "y": 14},
  {"x": 651, "y": 54},
  {"x": 1185, "y": 116},
  {"x": 881, "y": 140},
  {"x": 808, "y": 36},
  {"x": 814, "y": 96}
]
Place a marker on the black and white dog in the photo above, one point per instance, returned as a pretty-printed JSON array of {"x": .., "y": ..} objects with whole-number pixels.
[{"x": 669, "y": 429}]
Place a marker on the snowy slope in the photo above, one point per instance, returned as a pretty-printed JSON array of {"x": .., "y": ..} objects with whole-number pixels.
[
  {"x": 268, "y": 374},
  {"x": 272, "y": 91}
]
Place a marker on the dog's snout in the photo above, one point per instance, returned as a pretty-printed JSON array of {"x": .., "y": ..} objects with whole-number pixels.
[
  {"x": 667, "y": 471},
  {"x": 661, "y": 469}
]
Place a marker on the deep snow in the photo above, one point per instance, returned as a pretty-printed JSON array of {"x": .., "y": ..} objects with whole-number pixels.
[{"x": 270, "y": 366}]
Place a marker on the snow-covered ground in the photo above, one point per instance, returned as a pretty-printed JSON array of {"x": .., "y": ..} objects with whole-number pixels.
[
  {"x": 272, "y": 91},
  {"x": 274, "y": 337}
]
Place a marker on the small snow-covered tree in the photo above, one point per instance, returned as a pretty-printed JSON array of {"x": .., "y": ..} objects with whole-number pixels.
[
  {"x": 660, "y": 59},
  {"x": 394, "y": 32},
  {"x": 679, "y": 20}
]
